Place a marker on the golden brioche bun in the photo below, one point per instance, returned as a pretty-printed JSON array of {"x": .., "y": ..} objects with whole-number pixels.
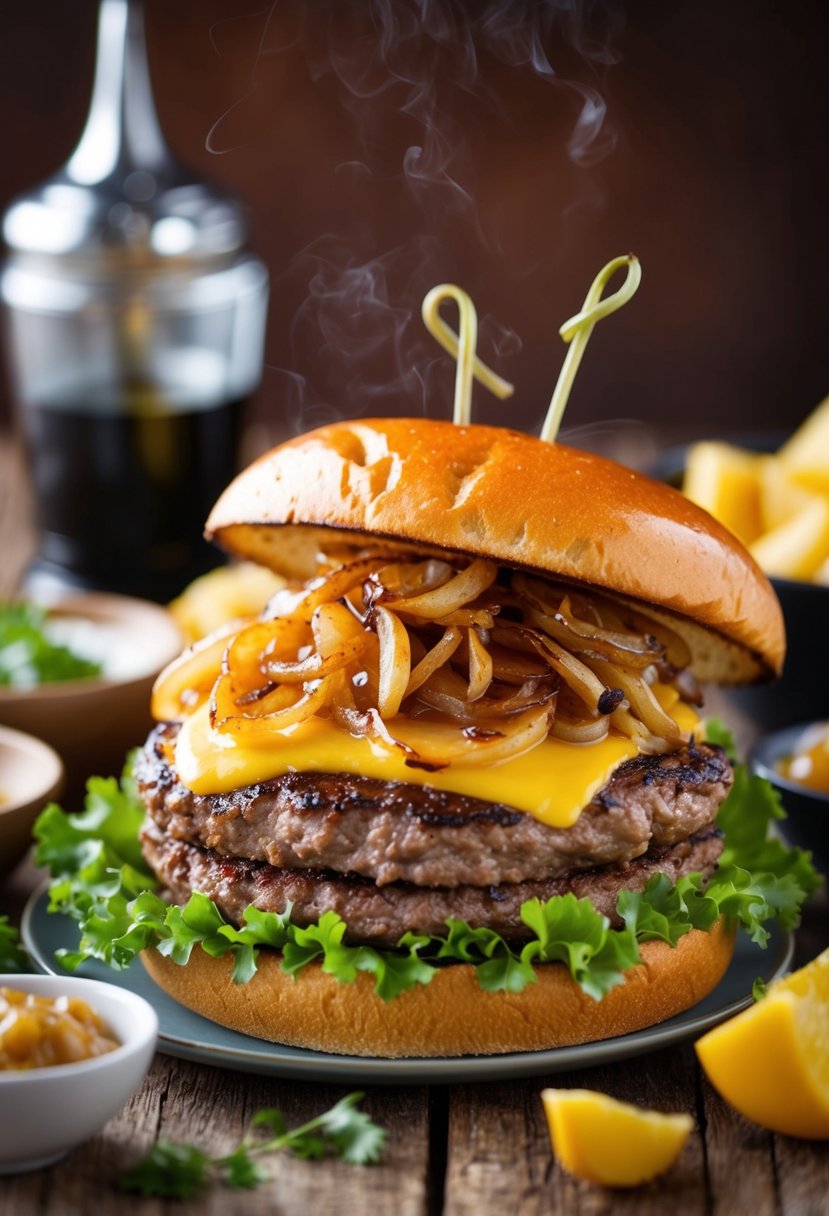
[
  {"x": 508, "y": 496},
  {"x": 452, "y": 1015}
]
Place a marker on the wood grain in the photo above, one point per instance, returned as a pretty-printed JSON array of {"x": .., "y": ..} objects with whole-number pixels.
[
  {"x": 499, "y": 1147},
  {"x": 740, "y": 1161},
  {"x": 802, "y": 1169},
  {"x": 212, "y": 1108}
]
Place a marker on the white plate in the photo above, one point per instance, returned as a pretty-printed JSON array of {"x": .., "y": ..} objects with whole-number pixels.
[{"x": 192, "y": 1037}]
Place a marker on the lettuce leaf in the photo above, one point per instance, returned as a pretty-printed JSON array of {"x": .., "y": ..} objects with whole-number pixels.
[
  {"x": 13, "y": 958},
  {"x": 28, "y": 657},
  {"x": 101, "y": 880},
  {"x": 718, "y": 733}
]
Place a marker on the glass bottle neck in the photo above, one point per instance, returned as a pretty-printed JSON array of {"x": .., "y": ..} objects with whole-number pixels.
[{"x": 122, "y": 133}]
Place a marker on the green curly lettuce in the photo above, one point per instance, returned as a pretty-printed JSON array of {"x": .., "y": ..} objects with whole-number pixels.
[
  {"x": 101, "y": 880},
  {"x": 28, "y": 656},
  {"x": 13, "y": 958}
]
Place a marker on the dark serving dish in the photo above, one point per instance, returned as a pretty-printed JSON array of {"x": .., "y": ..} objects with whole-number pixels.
[
  {"x": 807, "y": 824},
  {"x": 802, "y": 692}
]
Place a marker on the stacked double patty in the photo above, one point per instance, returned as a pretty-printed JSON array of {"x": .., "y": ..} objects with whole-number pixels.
[{"x": 391, "y": 857}]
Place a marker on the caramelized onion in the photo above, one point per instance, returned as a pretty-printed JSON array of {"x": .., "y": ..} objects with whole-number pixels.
[
  {"x": 576, "y": 674},
  {"x": 339, "y": 640},
  {"x": 588, "y": 730},
  {"x": 436, "y": 657},
  {"x": 562, "y": 622},
  {"x": 642, "y": 701},
  {"x": 335, "y": 585},
  {"x": 626, "y": 724},
  {"x": 395, "y": 661},
  {"x": 185, "y": 683},
  {"x": 410, "y": 578},
  {"x": 446, "y": 692},
  {"x": 248, "y": 655},
  {"x": 480, "y": 667},
  {"x": 450, "y": 596},
  {"x": 437, "y": 744},
  {"x": 677, "y": 650},
  {"x": 439, "y": 660},
  {"x": 256, "y": 729}
]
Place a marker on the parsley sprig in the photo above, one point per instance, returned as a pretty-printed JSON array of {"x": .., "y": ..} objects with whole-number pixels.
[
  {"x": 13, "y": 959},
  {"x": 179, "y": 1171},
  {"x": 102, "y": 882},
  {"x": 28, "y": 657}
]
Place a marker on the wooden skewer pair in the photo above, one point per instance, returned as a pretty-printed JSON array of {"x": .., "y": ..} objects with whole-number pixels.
[{"x": 576, "y": 332}]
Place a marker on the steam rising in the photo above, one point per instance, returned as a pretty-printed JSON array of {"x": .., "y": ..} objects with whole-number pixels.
[
  {"x": 374, "y": 334},
  {"x": 444, "y": 69}
]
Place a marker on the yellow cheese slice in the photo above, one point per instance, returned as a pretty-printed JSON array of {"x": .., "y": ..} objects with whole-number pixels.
[{"x": 552, "y": 781}]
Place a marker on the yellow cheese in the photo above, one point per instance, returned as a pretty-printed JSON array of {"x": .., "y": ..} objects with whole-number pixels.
[{"x": 552, "y": 781}]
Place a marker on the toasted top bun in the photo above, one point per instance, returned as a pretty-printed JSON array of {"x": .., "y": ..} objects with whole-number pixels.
[
  {"x": 451, "y": 1016},
  {"x": 504, "y": 495}
]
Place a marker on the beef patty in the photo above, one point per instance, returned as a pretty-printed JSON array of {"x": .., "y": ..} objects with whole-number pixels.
[
  {"x": 381, "y": 915},
  {"x": 393, "y": 832}
]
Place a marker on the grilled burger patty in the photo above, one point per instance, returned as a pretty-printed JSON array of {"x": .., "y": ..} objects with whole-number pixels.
[
  {"x": 393, "y": 832},
  {"x": 381, "y": 915}
]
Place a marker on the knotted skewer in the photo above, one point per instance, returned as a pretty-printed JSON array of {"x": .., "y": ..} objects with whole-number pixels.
[
  {"x": 578, "y": 329},
  {"x": 461, "y": 346}
]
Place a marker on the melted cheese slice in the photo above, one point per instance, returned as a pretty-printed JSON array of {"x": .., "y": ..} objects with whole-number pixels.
[{"x": 552, "y": 781}]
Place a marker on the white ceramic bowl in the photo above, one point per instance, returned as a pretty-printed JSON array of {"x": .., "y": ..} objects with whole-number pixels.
[
  {"x": 93, "y": 723},
  {"x": 31, "y": 774},
  {"x": 48, "y": 1111}
]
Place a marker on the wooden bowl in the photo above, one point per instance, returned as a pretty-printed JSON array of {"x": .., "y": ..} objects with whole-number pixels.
[
  {"x": 92, "y": 723},
  {"x": 31, "y": 774}
]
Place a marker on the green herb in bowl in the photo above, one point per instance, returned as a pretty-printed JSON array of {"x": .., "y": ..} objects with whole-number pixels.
[{"x": 29, "y": 657}]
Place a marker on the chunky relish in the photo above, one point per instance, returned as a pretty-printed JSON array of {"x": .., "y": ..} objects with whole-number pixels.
[
  {"x": 810, "y": 764},
  {"x": 36, "y": 1031}
]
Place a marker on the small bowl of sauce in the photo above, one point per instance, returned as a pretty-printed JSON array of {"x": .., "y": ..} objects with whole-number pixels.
[
  {"x": 796, "y": 762},
  {"x": 72, "y": 1053},
  {"x": 40, "y": 1031},
  {"x": 91, "y": 720},
  {"x": 809, "y": 764}
]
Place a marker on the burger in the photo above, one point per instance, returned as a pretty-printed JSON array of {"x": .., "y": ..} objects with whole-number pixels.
[{"x": 450, "y": 792}]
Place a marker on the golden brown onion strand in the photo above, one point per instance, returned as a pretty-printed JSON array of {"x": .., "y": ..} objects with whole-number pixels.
[{"x": 444, "y": 660}]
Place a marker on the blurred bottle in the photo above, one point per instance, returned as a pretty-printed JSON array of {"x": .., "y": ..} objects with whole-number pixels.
[{"x": 136, "y": 322}]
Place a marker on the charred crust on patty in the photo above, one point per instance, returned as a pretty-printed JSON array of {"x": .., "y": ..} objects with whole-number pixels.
[
  {"x": 393, "y": 831},
  {"x": 380, "y": 916}
]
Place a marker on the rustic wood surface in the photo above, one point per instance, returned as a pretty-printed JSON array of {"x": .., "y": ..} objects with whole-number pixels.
[{"x": 463, "y": 1150}]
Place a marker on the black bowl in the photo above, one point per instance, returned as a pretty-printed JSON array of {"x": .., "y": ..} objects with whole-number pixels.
[
  {"x": 807, "y": 824},
  {"x": 802, "y": 692}
]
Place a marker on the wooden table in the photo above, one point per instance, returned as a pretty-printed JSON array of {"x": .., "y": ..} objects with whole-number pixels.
[{"x": 461, "y": 1150}]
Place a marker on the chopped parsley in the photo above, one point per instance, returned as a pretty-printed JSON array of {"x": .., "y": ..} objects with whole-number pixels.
[
  {"x": 13, "y": 958},
  {"x": 27, "y": 655},
  {"x": 180, "y": 1171}
]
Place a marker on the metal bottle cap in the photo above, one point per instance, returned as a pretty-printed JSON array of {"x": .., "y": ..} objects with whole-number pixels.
[{"x": 122, "y": 200}]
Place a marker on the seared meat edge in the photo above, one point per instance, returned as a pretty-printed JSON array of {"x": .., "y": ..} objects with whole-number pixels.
[
  {"x": 396, "y": 832},
  {"x": 381, "y": 915}
]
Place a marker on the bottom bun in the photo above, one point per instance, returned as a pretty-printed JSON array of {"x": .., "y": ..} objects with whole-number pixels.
[{"x": 451, "y": 1016}]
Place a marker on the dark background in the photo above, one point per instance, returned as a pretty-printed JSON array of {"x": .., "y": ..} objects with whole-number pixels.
[{"x": 710, "y": 165}]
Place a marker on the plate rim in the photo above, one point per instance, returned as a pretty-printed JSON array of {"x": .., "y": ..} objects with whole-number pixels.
[{"x": 319, "y": 1066}]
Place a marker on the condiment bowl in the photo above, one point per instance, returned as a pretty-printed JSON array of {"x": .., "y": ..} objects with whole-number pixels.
[
  {"x": 803, "y": 689},
  {"x": 92, "y": 723},
  {"x": 807, "y": 810},
  {"x": 48, "y": 1111},
  {"x": 31, "y": 774}
]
